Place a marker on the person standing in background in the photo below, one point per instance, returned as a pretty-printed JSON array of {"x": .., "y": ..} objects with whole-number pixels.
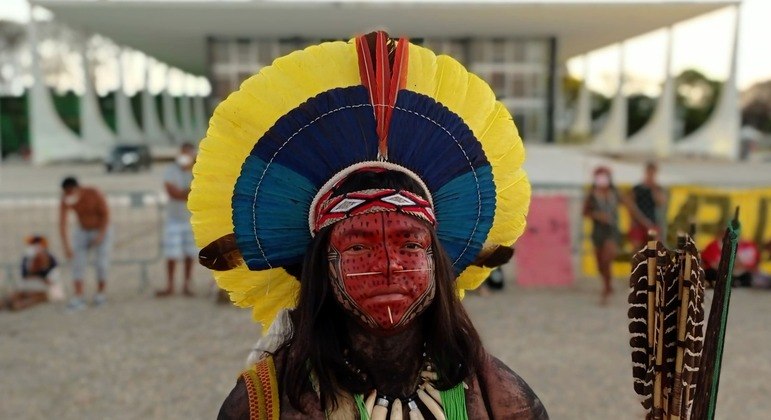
[
  {"x": 178, "y": 242},
  {"x": 650, "y": 198},
  {"x": 601, "y": 206},
  {"x": 92, "y": 232}
]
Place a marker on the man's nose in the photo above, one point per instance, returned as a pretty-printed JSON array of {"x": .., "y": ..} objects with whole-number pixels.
[{"x": 393, "y": 263}]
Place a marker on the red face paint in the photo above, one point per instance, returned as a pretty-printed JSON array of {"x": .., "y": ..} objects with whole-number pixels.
[{"x": 382, "y": 268}]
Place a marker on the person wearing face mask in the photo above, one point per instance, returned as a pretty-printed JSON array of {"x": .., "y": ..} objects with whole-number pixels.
[
  {"x": 601, "y": 207},
  {"x": 351, "y": 212},
  {"x": 39, "y": 276},
  {"x": 92, "y": 232},
  {"x": 178, "y": 242}
]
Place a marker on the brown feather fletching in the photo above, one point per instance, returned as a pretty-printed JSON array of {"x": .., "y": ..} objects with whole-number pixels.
[
  {"x": 221, "y": 255},
  {"x": 666, "y": 383}
]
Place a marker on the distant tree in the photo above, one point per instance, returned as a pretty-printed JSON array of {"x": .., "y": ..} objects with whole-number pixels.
[
  {"x": 756, "y": 106},
  {"x": 757, "y": 114},
  {"x": 571, "y": 86},
  {"x": 13, "y": 38},
  {"x": 600, "y": 104},
  {"x": 639, "y": 111},
  {"x": 696, "y": 98}
]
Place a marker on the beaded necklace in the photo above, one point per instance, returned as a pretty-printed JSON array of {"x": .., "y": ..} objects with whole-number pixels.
[{"x": 448, "y": 404}]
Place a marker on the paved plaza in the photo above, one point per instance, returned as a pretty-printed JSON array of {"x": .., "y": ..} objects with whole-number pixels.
[{"x": 143, "y": 358}]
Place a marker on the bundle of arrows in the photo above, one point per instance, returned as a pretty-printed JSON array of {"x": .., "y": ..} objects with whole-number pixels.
[{"x": 675, "y": 362}]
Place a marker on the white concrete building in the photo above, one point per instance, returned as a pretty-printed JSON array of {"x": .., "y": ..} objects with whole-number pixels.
[{"x": 519, "y": 46}]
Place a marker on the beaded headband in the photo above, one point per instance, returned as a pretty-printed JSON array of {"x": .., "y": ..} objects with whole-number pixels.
[
  {"x": 337, "y": 208},
  {"x": 328, "y": 207}
]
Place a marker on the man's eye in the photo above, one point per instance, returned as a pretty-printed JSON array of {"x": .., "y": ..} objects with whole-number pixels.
[
  {"x": 413, "y": 245},
  {"x": 356, "y": 248}
]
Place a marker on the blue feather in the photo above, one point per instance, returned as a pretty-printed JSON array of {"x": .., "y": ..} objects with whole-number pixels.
[
  {"x": 278, "y": 214},
  {"x": 462, "y": 225},
  {"x": 322, "y": 136},
  {"x": 445, "y": 148}
]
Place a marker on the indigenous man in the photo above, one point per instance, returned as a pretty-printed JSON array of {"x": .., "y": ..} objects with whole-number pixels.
[
  {"x": 381, "y": 201},
  {"x": 92, "y": 233}
]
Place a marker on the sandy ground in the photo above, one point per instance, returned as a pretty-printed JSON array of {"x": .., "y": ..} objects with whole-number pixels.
[{"x": 139, "y": 357}]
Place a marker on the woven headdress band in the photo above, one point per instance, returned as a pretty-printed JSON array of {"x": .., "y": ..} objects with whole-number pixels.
[{"x": 339, "y": 207}]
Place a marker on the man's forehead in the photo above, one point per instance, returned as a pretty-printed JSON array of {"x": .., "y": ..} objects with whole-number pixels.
[{"x": 373, "y": 224}]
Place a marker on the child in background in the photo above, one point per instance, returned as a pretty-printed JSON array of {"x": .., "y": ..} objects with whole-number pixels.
[
  {"x": 746, "y": 264},
  {"x": 38, "y": 276}
]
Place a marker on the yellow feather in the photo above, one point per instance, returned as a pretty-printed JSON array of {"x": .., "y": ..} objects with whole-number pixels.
[
  {"x": 266, "y": 292},
  {"x": 472, "y": 277},
  {"x": 479, "y": 105},
  {"x": 452, "y": 84},
  {"x": 421, "y": 70}
]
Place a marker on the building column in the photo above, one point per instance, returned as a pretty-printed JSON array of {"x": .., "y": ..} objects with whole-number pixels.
[
  {"x": 201, "y": 118},
  {"x": 582, "y": 123},
  {"x": 153, "y": 129},
  {"x": 50, "y": 139},
  {"x": 170, "y": 120},
  {"x": 656, "y": 137},
  {"x": 96, "y": 134},
  {"x": 186, "y": 111},
  {"x": 719, "y": 135},
  {"x": 612, "y": 136},
  {"x": 125, "y": 122}
]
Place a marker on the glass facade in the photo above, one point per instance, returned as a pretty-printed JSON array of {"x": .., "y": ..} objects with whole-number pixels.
[{"x": 518, "y": 70}]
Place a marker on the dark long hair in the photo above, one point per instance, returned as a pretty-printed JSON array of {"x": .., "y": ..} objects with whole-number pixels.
[{"x": 320, "y": 336}]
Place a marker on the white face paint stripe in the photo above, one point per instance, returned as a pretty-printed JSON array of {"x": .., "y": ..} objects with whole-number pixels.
[
  {"x": 411, "y": 271},
  {"x": 371, "y": 273}
]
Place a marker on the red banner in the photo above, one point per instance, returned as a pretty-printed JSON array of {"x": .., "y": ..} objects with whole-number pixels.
[{"x": 543, "y": 254}]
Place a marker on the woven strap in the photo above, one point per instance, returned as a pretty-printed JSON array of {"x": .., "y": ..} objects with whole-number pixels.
[{"x": 262, "y": 390}]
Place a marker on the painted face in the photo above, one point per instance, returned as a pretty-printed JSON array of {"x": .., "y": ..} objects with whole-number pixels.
[{"x": 382, "y": 268}]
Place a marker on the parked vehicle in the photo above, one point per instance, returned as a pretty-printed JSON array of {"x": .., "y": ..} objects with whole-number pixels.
[{"x": 128, "y": 157}]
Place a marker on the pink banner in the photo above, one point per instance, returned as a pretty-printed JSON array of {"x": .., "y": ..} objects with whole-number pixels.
[{"x": 543, "y": 256}]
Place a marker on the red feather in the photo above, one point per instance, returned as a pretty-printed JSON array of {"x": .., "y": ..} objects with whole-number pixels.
[
  {"x": 383, "y": 73},
  {"x": 398, "y": 80},
  {"x": 383, "y": 79},
  {"x": 366, "y": 70}
]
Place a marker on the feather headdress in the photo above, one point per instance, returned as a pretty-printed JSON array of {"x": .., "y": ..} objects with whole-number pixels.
[
  {"x": 314, "y": 116},
  {"x": 675, "y": 364}
]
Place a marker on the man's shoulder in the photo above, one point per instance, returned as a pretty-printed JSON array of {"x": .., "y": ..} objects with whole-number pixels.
[
  {"x": 508, "y": 393},
  {"x": 256, "y": 392},
  {"x": 90, "y": 191}
]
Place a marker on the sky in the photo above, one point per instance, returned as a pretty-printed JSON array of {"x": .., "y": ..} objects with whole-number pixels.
[{"x": 703, "y": 43}]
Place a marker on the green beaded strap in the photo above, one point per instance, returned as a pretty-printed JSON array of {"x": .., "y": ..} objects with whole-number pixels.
[
  {"x": 363, "y": 415},
  {"x": 453, "y": 403}
]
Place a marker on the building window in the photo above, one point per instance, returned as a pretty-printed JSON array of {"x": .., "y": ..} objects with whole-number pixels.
[{"x": 516, "y": 69}]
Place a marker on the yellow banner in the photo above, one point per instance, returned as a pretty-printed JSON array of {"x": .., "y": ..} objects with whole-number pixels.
[{"x": 709, "y": 209}]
